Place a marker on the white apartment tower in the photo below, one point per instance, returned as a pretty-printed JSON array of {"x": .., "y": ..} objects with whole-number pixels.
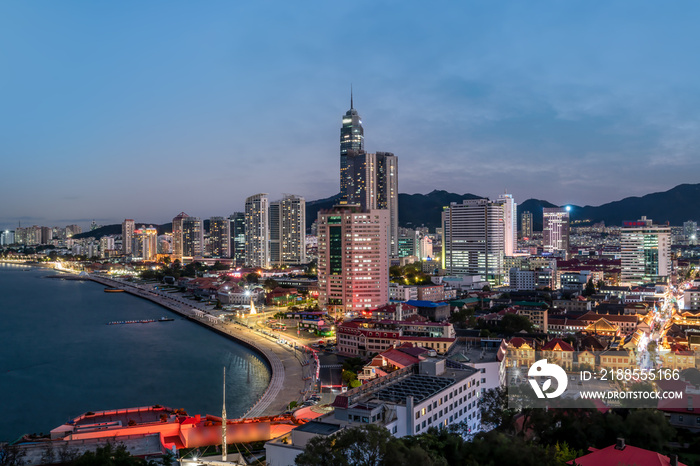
[
  {"x": 476, "y": 234},
  {"x": 288, "y": 230},
  {"x": 257, "y": 231},
  {"x": 555, "y": 228},
  {"x": 646, "y": 252},
  {"x": 353, "y": 259},
  {"x": 128, "y": 227}
]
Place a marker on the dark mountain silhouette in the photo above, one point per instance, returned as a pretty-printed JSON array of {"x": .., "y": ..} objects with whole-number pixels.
[{"x": 674, "y": 207}]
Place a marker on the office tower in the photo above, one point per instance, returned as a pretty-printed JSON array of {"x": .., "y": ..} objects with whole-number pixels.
[
  {"x": 510, "y": 222},
  {"x": 645, "y": 250},
  {"x": 192, "y": 237},
  {"x": 690, "y": 231},
  {"x": 220, "y": 237},
  {"x": 352, "y": 138},
  {"x": 144, "y": 243},
  {"x": 177, "y": 235},
  {"x": 353, "y": 259},
  {"x": 407, "y": 242},
  {"x": 287, "y": 219},
  {"x": 257, "y": 232},
  {"x": 372, "y": 183},
  {"x": 555, "y": 229},
  {"x": 474, "y": 237},
  {"x": 46, "y": 235},
  {"x": 127, "y": 236},
  {"x": 237, "y": 220},
  {"x": 526, "y": 225}
]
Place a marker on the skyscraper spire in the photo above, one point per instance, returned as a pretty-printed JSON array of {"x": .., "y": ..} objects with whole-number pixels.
[
  {"x": 223, "y": 423},
  {"x": 351, "y": 107}
]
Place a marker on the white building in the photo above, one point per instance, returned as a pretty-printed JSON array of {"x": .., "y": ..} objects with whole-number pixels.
[
  {"x": 646, "y": 252},
  {"x": 404, "y": 402},
  {"x": 128, "y": 227},
  {"x": 402, "y": 292},
  {"x": 257, "y": 231},
  {"x": 288, "y": 230},
  {"x": 556, "y": 229}
]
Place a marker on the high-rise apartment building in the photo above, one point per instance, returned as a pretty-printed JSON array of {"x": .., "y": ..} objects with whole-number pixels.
[
  {"x": 287, "y": 220},
  {"x": 177, "y": 235},
  {"x": 220, "y": 237},
  {"x": 352, "y": 138},
  {"x": 645, "y": 250},
  {"x": 106, "y": 246},
  {"x": 510, "y": 223},
  {"x": 7, "y": 237},
  {"x": 555, "y": 229},
  {"x": 128, "y": 227},
  {"x": 237, "y": 220},
  {"x": 257, "y": 231},
  {"x": 353, "y": 259},
  {"x": 526, "y": 225},
  {"x": 475, "y": 235},
  {"x": 72, "y": 230},
  {"x": 192, "y": 237},
  {"x": 145, "y": 243},
  {"x": 372, "y": 183}
]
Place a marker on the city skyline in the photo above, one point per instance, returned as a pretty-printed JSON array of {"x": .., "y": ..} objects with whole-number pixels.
[{"x": 133, "y": 111}]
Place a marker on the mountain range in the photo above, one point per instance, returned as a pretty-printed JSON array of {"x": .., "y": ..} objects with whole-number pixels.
[{"x": 674, "y": 207}]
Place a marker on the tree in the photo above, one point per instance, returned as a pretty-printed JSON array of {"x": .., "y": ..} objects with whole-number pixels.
[
  {"x": 357, "y": 446},
  {"x": 11, "y": 455},
  {"x": 495, "y": 413},
  {"x": 252, "y": 278},
  {"x": 270, "y": 284},
  {"x": 513, "y": 323}
]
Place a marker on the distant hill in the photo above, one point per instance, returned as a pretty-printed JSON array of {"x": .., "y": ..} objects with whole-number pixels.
[{"x": 675, "y": 206}]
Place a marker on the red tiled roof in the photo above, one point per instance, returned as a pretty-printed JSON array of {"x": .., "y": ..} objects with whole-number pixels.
[
  {"x": 551, "y": 345},
  {"x": 610, "y": 456}
]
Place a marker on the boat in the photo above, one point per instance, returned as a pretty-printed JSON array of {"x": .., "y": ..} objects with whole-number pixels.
[
  {"x": 113, "y": 290},
  {"x": 165, "y": 319}
]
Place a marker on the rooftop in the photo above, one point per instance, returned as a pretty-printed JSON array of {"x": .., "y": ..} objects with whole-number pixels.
[{"x": 319, "y": 428}]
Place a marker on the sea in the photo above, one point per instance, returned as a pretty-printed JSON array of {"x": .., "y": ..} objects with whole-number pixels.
[{"x": 60, "y": 359}]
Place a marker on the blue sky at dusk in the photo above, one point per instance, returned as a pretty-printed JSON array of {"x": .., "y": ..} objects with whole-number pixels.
[{"x": 114, "y": 110}]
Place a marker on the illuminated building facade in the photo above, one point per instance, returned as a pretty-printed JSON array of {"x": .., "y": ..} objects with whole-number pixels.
[
  {"x": 555, "y": 229},
  {"x": 237, "y": 220},
  {"x": 177, "y": 235},
  {"x": 288, "y": 230},
  {"x": 645, "y": 251},
  {"x": 220, "y": 237},
  {"x": 353, "y": 259},
  {"x": 257, "y": 231},
  {"x": 526, "y": 225},
  {"x": 192, "y": 237},
  {"x": 475, "y": 236},
  {"x": 352, "y": 138},
  {"x": 128, "y": 227}
]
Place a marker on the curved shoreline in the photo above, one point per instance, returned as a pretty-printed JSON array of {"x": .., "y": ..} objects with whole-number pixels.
[{"x": 272, "y": 401}]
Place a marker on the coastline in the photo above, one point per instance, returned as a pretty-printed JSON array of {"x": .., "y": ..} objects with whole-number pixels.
[{"x": 286, "y": 369}]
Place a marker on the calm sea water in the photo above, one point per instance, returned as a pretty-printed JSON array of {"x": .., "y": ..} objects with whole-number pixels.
[{"x": 59, "y": 359}]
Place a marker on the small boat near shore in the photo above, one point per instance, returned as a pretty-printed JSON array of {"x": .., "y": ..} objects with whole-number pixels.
[
  {"x": 113, "y": 290},
  {"x": 165, "y": 319}
]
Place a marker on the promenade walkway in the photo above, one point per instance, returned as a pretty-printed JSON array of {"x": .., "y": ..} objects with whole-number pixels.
[{"x": 292, "y": 375}]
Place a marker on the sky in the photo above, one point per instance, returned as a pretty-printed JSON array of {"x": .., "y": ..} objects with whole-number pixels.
[{"x": 132, "y": 109}]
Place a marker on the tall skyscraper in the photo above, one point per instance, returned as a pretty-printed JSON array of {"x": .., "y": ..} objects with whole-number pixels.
[
  {"x": 352, "y": 138},
  {"x": 220, "y": 237},
  {"x": 288, "y": 230},
  {"x": 475, "y": 235},
  {"x": 257, "y": 231},
  {"x": 645, "y": 251},
  {"x": 555, "y": 228},
  {"x": 510, "y": 223},
  {"x": 238, "y": 237},
  {"x": 128, "y": 227},
  {"x": 526, "y": 225},
  {"x": 353, "y": 259},
  {"x": 177, "y": 235},
  {"x": 192, "y": 237},
  {"x": 373, "y": 183}
]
